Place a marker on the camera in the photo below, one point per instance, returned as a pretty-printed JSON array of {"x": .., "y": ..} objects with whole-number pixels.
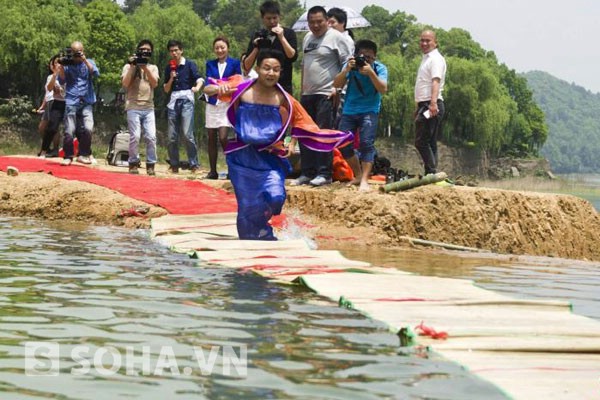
[
  {"x": 67, "y": 55},
  {"x": 265, "y": 38},
  {"x": 141, "y": 57},
  {"x": 359, "y": 61}
]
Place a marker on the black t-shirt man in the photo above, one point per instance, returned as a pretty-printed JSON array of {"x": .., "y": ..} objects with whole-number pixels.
[{"x": 277, "y": 37}]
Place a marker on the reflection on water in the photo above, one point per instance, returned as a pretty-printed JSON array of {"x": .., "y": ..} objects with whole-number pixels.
[
  {"x": 126, "y": 298},
  {"x": 518, "y": 276}
]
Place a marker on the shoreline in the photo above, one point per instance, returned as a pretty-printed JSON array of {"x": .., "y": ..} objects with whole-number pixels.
[{"x": 495, "y": 220}]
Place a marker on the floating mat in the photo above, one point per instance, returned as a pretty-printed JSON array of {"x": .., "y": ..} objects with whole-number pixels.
[
  {"x": 313, "y": 259},
  {"x": 188, "y": 242},
  {"x": 222, "y": 224},
  {"x": 531, "y": 349},
  {"x": 264, "y": 253},
  {"x": 530, "y": 376}
]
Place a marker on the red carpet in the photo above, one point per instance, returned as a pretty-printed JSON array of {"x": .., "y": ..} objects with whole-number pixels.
[{"x": 177, "y": 196}]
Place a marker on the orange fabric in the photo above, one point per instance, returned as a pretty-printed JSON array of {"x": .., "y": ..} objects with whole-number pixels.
[
  {"x": 341, "y": 170},
  {"x": 301, "y": 119}
]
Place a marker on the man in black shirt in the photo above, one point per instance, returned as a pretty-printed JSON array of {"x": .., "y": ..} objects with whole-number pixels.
[{"x": 273, "y": 36}]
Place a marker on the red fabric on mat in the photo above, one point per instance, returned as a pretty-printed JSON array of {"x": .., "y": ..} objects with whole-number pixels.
[{"x": 177, "y": 196}]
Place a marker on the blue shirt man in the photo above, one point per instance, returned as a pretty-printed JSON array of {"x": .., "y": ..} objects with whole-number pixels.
[
  {"x": 77, "y": 73},
  {"x": 184, "y": 80},
  {"x": 367, "y": 82}
]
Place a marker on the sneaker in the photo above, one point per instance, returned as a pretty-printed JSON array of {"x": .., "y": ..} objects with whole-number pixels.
[
  {"x": 301, "y": 180},
  {"x": 212, "y": 175},
  {"x": 84, "y": 160},
  {"x": 173, "y": 170},
  {"x": 150, "y": 169},
  {"x": 66, "y": 162},
  {"x": 320, "y": 181},
  {"x": 194, "y": 170},
  {"x": 133, "y": 169}
]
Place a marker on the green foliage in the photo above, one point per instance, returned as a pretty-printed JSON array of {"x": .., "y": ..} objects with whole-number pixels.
[
  {"x": 17, "y": 110},
  {"x": 111, "y": 39},
  {"x": 571, "y": 113},
  {"x": 487, "y": 104}
]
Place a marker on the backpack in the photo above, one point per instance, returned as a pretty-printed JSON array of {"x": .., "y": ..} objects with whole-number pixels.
[{"x": 118, "y": 149}]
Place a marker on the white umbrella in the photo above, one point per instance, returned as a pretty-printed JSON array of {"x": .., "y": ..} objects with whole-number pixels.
[{"x": 355, "y": 20}]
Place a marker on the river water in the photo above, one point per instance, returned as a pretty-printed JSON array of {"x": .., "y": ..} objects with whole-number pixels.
[{"x": 104, "y": 313}]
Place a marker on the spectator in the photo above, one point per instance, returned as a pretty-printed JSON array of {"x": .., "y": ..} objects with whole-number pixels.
[
  {"x": 54, "y": 111},
  {"x": 139, "y": 78},
  {"x": 184, "y": 80},
  {"x": 220, "y": 68},
  {"x": 337, "y": 19},
  {"x": 325, "y": 52},
  {"x": 77, "y": 72},
  {"x": 429, "y": 112},
  {"x": 367, "y": 81},
  {"x": 273, "y": 36}
]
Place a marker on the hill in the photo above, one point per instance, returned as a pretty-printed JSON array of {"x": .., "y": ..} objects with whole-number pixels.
[{"x": 572, "y": 112}]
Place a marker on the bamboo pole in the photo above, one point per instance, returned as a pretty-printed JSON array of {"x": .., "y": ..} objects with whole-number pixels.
[{"x": 413, "y": 182}]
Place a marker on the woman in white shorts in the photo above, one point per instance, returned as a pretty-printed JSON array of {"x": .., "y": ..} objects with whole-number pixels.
[{"x": 220, "y": 68}]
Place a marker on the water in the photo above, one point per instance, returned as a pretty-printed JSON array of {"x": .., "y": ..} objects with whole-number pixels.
[
  {"x": 115, "y": 290},
  {"x": 528, "y": 277},
  {"x": 586, "y": 186}
]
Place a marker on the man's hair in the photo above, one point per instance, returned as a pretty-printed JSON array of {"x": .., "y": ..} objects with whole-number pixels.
[
  {"x": 365, "y": 44},
  {"x": 317, "y": 10},
  {"x": 340, "y": 15},
  {"x": 221, "y": 39},
  {"x": 145, "y": 41},
  {"x": 269, "y": 7},
  {"x": 269, "y": 53},
  {"x": 174, "y": 43}
]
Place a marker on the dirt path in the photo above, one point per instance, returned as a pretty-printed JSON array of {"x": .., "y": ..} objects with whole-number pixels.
[{"x": 496, "y": 220}]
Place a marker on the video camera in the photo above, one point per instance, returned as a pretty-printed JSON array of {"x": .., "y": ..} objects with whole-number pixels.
[
  {"x": 265, "y": 37},
  {"x": 67, "y": 55},
  {"x": 141, "y": 57},
  {"x": 359, "y": 61}
]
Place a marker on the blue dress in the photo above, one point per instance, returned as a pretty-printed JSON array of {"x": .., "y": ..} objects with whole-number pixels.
[{"x": 258, "y": 177}]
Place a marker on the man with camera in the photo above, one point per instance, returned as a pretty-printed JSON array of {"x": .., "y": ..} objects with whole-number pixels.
[
  {"x": 77, "y": 71},
  {"x": 183, "y": 78},
  {"x": 139, "y": 78},
  {"x": 325, "y": 52},
  {"x": 273, "y": 36},
  {"x": 367, "y": 82}
]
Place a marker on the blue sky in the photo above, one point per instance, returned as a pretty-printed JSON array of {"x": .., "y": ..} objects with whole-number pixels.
[{"x": 548, "y": 35}]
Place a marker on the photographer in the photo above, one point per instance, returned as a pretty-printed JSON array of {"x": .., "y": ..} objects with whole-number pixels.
[
  {"x": 77, "y": 71},
  {"x": 367, "y": 81},
  {"x": 139, "y": 79},
  {"x": 273, "y": 36}
]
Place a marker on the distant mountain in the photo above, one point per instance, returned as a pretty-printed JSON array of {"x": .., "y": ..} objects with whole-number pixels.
[{"x": 573, "y": 118}]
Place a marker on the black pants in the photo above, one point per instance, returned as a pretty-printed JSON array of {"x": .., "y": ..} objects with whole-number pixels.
[
  {"x": 57, "y": 113},
  {"x": 426, "y": 134},
  {"x": 313, "y": 163}
]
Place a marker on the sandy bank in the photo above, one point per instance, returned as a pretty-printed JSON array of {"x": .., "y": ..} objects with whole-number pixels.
[{"x": 497, "y": 220}]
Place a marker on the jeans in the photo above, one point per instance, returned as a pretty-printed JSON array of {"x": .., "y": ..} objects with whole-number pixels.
[
  {"x": 367, "y": 123},
  {"x": 138, "y": 120},
  {"x": 426, "y": 133},
  {"x": 182, "y": 118},
  {"x": 84, "y": 113},
  {"x": 313, "y": 163}
]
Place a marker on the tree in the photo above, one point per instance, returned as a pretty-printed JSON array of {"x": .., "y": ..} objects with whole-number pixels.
[
  {"x": 110, "y": 42},
  {"x": 32, "y": 31}
]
